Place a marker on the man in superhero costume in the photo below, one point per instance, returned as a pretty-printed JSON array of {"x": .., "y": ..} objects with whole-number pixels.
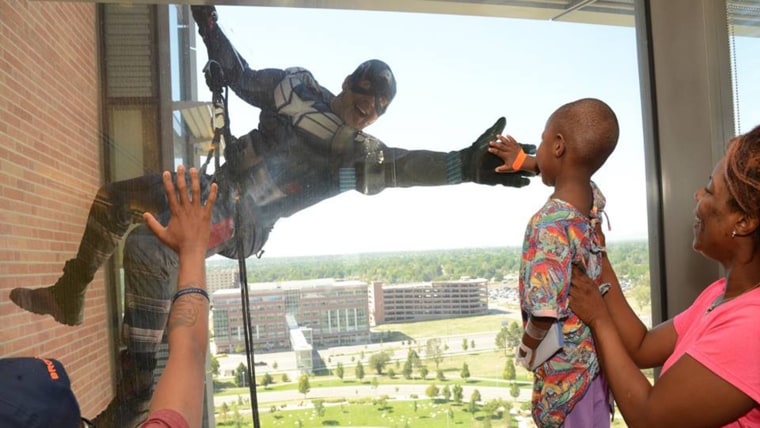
[{"x": 308, "y": 147}]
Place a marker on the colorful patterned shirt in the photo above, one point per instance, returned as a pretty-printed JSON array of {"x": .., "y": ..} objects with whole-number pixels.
[{"x": 558, "y": 236}]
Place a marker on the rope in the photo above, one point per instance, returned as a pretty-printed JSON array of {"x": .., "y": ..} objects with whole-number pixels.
[
  {"x": 221, "y": 123},
  {"x": 251, "y": 372}
]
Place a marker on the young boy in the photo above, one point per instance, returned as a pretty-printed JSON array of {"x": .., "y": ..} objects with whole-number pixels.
[{"x": 568, "y": 389}]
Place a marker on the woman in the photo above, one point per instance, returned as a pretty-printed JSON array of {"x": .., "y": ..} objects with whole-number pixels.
[{"x": 710, "y": 353}]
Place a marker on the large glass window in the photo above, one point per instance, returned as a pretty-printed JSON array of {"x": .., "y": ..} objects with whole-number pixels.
[
  {"x": 744, "y": 38},
  {"x": 454, "y": 79}
]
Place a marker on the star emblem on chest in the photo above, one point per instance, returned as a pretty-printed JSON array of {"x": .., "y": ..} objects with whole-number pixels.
[{"x": 297, "y": 108}]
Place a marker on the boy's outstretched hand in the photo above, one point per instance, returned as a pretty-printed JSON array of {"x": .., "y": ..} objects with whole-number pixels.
[
  {"x": 190, "y": 223},
  {"x": 514, "y": 155},
  {"x": 479, "y": 166}
]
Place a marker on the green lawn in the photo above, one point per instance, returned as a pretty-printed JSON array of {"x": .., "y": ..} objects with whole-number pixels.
[
  {"x": 364, "y": 413},
  {"x": 485, "y": 368}
]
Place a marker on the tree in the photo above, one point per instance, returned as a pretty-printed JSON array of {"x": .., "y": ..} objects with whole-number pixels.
[
  {"x": 414, "y": 358},
  {"x": 266, "y": 380},
  {"x": 472, "y": 407},
  {"x": 432, "y": 391},
  {"x": 378, "y": 361},
  {"x": 439, "y": 375},
  {"x": 423, "y": 372},
  {"x": 509, "y": 370},
  {"x": 434, "y": 351},
  {"x": 407, "y": 370},
  {"x": 381, "y": 402},
  {"x": 514, "y": 336},
  {"x": 319, "y": 406},
  {"x": 339, "y": 371},
  {"x": 446, "y": 393},
  {"x": 303, "y": 385},
  {"x": 501, "y": 339},
  {"x": 274, "y": 365},
  {"x": 375, "y": 384},
  {"x": 457, "y": 393},
  {"x": 509, "y": 337},
  {"x": 237, "y": 418},
  {"x": 391, "y": 373},
  {"x": 214, "y": 365},
  {"x": 464, "y": 344},
  {"x": 285, "y": 378},
  {"x": 475, "y": 396},
  {"x": 359, "y": 372},
  {"x": 465, "y": 372},
  {"x": 491, "y": 409},
  {"x": 224, "y": 411},
  {"x": 241, "y": 375},
  {"x": 514, "y": 390},
  {"x": 642, "y": 294}
]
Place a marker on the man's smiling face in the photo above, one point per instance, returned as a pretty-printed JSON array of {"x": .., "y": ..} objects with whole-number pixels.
[{"x": 356, "y": 109}]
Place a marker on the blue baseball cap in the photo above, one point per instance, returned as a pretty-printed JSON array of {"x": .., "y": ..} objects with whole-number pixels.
[{"x": 36, "y": 393}]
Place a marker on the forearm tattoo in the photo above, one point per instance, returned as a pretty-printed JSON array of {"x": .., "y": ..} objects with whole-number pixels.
[{"x": 187, "y": 310}]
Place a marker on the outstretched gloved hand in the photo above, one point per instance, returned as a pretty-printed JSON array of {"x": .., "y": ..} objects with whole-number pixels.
[{"x": 479, "y": 166}]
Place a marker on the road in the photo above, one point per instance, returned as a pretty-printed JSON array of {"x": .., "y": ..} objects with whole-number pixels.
[{"x": 277, "y": 363}]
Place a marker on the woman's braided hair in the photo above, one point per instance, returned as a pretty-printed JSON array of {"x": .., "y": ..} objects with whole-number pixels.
[{"x": 743, "y": 173}]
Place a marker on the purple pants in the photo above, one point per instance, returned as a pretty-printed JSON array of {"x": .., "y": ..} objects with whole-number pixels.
[{"x": 594, "y": 410}]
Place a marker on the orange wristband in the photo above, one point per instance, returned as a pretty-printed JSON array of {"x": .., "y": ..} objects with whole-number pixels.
[{"x": 519, "y": 160}]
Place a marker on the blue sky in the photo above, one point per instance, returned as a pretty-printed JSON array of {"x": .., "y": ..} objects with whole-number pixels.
[{"x": 456, "y": 75}]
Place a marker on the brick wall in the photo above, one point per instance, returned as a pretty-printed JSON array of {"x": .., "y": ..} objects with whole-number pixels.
[{"x": 49, "y": 171}]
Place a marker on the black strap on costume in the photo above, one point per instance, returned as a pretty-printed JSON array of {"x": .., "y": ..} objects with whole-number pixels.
[{"x": 221, "y": 122}]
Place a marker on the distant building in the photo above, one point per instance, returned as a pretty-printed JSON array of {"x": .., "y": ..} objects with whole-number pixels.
[
  {"x": 427, "y": 301},
  {"x": 221, "y": 278},
  {"x": 328, "y": 312}
]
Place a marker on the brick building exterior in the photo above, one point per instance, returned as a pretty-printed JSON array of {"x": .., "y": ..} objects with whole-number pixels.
[
  {"x": 394, "y": 303},
  {"x": 50, "y": 168},
  {"x": 334, "y": 311}
]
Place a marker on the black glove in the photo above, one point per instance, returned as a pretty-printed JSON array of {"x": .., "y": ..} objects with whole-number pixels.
[
  {"x": 205, "y": 17},
  {"x": 219, "y": 49},
  {"x": 478, "y": 164}
]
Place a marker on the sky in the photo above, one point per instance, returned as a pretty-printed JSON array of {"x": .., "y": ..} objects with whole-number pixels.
[{"x": 456, "y": 75}]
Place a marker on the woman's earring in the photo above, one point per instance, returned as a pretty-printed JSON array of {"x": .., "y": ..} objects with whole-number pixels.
[{"x": 733, "y": 234}]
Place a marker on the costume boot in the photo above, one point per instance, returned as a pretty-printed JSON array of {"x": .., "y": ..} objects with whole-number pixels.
[{"x": 64, "y": 300}]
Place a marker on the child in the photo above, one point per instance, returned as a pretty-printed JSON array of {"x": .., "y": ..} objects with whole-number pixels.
[{"x": 568, "y": 389}]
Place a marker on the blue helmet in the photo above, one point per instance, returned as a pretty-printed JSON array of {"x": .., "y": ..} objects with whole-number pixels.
[{"x": 382, "y": 83}]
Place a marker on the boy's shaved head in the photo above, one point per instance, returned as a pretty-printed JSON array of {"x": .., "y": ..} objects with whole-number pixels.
[{"x": 591, "y": 129}]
